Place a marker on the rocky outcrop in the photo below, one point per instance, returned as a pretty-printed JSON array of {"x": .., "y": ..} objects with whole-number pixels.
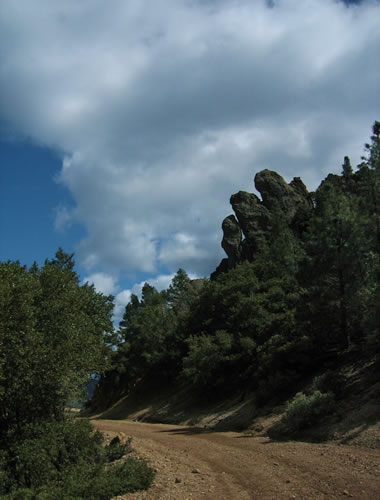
[
  {"x": 278, "y": 195},
  {"x": 232, "y": 238},
  {"x": 249, "y": 229},
  {"x": 254, "y": 219}
]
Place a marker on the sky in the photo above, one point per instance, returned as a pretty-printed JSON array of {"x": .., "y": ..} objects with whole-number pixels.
[{"x": 125, "y": 126}]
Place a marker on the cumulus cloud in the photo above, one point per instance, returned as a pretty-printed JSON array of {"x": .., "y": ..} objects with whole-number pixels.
[
  {"x": 121, "y": 300},
  {"x": 104, "y": 283},
  {"x": 162, "y": 110}
]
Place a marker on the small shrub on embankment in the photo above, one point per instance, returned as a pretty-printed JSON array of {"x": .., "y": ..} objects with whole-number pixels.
[
  {"x": 303, "y": 414},
  {"x": 66, "y": 460},
  {"x": 305, "y": 411}
]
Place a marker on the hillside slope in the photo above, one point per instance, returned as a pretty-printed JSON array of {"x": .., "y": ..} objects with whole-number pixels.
[
  {"x": 284, "y": 337},
  {"x": 354, "y": 421}
]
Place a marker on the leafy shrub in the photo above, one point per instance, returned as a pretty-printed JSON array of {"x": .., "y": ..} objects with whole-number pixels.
[
  {"x": 62, "y": 460},
  {"x": 305, "y": 411},
  {"x": 5, "y": 478},
  {"x": 103, "y": 484},
  {"x": 329, "y": 381},
  {"x": 51, "y": 448},
  {"x": 21, "y": 494},
  {"x": 91, "y": 483}
]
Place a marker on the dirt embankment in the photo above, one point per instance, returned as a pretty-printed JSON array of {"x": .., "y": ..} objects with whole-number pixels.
[
  {"x": 195, "y": 458},
  {"x": 193, "y": 463}
]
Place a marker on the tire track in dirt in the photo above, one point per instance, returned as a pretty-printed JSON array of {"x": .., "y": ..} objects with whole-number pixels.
[{"x": 196, "y": 464}]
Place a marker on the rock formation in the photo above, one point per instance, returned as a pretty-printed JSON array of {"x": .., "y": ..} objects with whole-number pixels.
[{"x": 249, "y": 229}]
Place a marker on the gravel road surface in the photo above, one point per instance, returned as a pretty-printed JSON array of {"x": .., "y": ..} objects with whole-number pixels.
[{"x": 195, "y": 464}]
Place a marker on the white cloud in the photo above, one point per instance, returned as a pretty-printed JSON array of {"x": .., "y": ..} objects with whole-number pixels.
[
  {"x": 121, "y": 300},
  {"x": 163, "y": 109},
  {"x": 182, "y": 248},
  {"x": 104, "y": 283},
  {"x": 160, "y": 282},
  {"x": 63, "y": 218}
]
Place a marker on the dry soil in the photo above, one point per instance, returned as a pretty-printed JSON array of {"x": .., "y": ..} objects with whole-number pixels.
[{"x": 194, "y": 463}]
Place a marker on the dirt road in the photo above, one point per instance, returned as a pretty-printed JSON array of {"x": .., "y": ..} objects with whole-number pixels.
[{"x": 193, "y": 464}]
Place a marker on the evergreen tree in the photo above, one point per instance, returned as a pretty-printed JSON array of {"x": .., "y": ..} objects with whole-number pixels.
[
  {"x": 347, "y": 170},
  {"x": 54, "y": 333},
  {"x": 312, "y": 288},
  {"x": 179, "y": 295},
  {"x": 130, "y": 313},
  {"x": 369, "y": 191},
  {"x": 369, "y": 185},
  {"x": 334, "y": 265}
]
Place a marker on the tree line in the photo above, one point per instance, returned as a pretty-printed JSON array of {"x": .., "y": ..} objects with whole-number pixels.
[{"x": 311, "y": 293}]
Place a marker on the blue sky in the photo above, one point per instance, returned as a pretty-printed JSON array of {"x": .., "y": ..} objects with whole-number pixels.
[
  {"x": 29, "y": 201},
  {"x": 125, "y": 126}
]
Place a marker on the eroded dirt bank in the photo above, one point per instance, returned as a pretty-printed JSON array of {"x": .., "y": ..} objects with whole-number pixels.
[{"x": 196, "y": 464}]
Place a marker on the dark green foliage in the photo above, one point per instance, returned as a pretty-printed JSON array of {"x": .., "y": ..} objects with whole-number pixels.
[
  {"x": 347, "y": 170},
  {"x": 66, "y": 460},
  {"x": 276, "y": 387},
  {"x": 152, "y": 336},
  {"x": 54, "y": 335},
  {"x": 209, "y": 359},
  {"x": 50, "y": 448},
  {"x": 330, "y": 381},
  {"x": 369, "y": 186},
  {"x": 180, "y": 294},
  {"x": 132, "y": 475},
  {"x": 340, "y": 271},
  {"x": 246, "y": 330},
  {"x": 307, "y": 293},
  {"x": 370, "y": 303},
  {"x": 305, "y": 411}
]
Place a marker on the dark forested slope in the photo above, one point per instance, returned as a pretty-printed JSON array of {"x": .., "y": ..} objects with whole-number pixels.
[{"x": 298, "y": 290}]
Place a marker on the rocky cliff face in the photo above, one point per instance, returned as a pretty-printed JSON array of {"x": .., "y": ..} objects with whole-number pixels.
[{"x": 249, "y": 229}]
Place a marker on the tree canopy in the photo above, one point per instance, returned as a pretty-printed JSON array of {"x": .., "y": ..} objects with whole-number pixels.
[
  {"x": 54, "y": 335},
  {"x": 311, "y": 289}
]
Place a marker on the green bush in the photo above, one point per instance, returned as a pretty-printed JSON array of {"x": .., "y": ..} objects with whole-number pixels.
[
  {"x": 103, "y": 484},
  {"x": 21, "y": 494},
  {"x": 329, "y": 381},
  {"x": 66, "y": 460},
  {"x": 305, "y": 411},
  {"x": 91, "y": 483},
  {"x": 51, "y": 448}
]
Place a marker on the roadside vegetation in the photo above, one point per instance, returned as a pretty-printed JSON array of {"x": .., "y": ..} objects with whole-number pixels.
[
  {"x": 309, "y": 295},
  {"x": 54, "y": 333}
]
